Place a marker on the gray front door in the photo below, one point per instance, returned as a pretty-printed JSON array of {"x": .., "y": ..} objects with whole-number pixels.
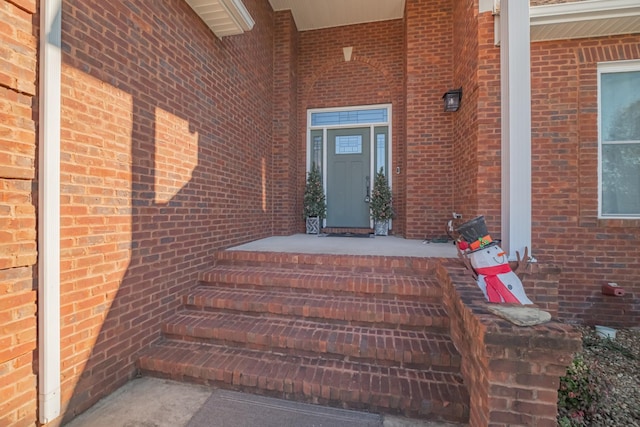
[{"x": 348, "y": 170}]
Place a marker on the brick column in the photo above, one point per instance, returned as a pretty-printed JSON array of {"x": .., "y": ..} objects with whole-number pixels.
[
  {"x": 429, "y": 73},
  {"x": 287, "y": 213}
]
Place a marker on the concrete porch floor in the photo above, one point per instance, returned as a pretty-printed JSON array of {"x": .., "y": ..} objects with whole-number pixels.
[{"x": 379, "y": 246}]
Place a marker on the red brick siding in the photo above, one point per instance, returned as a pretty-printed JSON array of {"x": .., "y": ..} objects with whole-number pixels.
[
  {"x": 566, "y": 229},
  {"x": 429, "y": 139},
  {"x": 465, "y": 120},
  {"x": 18, "y": 336},
  {"x": 488, "y": 179},
  {"x": 373, "y": 76},
  {"x": 166, "y": 140},
  {"x": 512, "y": 373},
  {"x": 287, "y": 209}
]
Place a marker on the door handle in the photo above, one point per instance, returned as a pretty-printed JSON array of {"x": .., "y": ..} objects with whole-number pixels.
[{"x": 367, "y": 198}]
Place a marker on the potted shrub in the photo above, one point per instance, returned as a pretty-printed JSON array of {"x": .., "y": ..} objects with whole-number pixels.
[
  {"x": 315, "y": 206},
  {"x": 380, "y": 205}
]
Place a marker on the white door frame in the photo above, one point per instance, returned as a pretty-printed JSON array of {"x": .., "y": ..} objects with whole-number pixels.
[{"x": 372, "y": 126}]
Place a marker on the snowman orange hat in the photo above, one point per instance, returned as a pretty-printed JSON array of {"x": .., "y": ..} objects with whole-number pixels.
[{"x": 474, "y": 235}]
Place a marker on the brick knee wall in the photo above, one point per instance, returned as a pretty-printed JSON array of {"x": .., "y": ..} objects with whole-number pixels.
[{"x": 512, "y": 372}]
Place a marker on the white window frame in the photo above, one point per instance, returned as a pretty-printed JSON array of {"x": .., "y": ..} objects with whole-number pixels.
[{"x": 609, "y": 68}]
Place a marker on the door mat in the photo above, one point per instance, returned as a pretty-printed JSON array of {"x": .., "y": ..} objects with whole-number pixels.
[
  {"x": 350, "y": 235},
  {"x": 226, "y": 408}
]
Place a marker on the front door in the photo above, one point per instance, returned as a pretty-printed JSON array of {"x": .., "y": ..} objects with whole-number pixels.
[{"x": 348, "y": 177}]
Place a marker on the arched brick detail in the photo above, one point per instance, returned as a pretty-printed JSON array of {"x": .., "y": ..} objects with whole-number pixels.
[{"x": 359, "y": 79}]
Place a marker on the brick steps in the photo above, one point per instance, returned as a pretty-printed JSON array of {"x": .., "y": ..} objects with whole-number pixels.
[
  {"x": 296, "y": 336},
  {"x": 361, "y": 264},
  {"x": 324, "y": 282},
  {"x": 346, "y": 384},
  {"x": 352, "y": 309},
  {"x": 356, "y": 332}
]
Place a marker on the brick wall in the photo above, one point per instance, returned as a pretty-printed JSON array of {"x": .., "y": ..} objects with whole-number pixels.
[
  {"x": 512, "y": 372},
  {"x": 429, "y": 140},
  {"x": 287, "y": 206},
  {"x": 566, "y": 230},
  {"x": 564, "y": 173},
  {"x": 488, "y": 179},
  {"x": 18, "y": 56},
  {"x": 465, "y": 120},
  {"x": 166, "y": 157},
  {"x": 373, "y": 76}
]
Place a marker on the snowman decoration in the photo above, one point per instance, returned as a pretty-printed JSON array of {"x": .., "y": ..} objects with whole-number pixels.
[{"x": 495, "y": 278}]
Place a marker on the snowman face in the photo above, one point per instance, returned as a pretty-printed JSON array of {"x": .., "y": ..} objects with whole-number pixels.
[{"x": 488, "y": 257}]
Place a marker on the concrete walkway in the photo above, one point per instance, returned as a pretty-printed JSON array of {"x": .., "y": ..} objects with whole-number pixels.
[{"x": 154, "y": 402}]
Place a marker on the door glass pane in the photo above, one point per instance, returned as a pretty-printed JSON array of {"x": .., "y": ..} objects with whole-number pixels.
[{"x": 349, "y": 144}]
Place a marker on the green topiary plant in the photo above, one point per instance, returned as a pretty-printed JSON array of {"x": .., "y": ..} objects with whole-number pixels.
[
  {"x": 381, "y": 199},
  {"x": 314, "y": 199}
]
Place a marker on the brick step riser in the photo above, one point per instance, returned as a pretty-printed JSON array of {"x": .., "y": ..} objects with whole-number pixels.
[
  {"x": 332, "y": 263},
  {"x": 412, "y": 393},
  {"x": 383, "y": 349},
  {"x": 351, "y": 318},
  {"x": 332, "y": 286},
  {"x": 435, "y": 365}
]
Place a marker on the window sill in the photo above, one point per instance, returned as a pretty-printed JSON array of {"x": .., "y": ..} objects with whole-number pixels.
[{"x": 618, "y": 222}]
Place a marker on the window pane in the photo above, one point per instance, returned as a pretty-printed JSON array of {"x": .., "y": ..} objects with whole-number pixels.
[
  {"x": 349, "y": 117},
  {"x": 620, "y": 143},
  {"x": 351, "y": 144},
  {"x": 381, "y": 152},
  {"x": 316, "y": 148},
  {"x": 621, "y": 179},
  {"x": 620, "y": 106}
]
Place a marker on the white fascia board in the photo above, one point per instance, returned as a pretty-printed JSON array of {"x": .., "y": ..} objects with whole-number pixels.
[
  {"x": 239, "y": 13},
  {"x": 583, "y": 11}
]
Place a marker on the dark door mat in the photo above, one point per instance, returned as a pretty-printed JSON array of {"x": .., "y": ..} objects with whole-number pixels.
[
  {"x": 226, "y": 408},
  {"x": 349, "y": 235}
]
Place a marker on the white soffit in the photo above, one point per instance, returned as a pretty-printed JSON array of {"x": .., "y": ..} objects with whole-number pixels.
[
  {"x": 315, "y": 14},
  {"x": 588, "y": 18},
  {"x": 224, "y": 17}
]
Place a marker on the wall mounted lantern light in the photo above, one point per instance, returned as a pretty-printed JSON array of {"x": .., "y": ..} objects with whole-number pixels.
[{"x": 452, "y": 99}]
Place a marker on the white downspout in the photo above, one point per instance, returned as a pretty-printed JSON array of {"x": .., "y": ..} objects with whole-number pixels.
[{"x": 49, "y": 211}]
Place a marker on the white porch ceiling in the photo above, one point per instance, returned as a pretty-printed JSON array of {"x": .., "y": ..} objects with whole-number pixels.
[
  {"x": 315, "y": 14},
  {"x": 581, "y": 18},
  {"x": 549, "y": 21}
]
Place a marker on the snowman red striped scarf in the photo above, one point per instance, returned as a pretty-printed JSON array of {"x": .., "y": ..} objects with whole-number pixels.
[{"x": 496, "y": 290}]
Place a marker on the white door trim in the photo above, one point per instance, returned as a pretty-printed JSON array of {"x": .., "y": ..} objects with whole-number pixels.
[{"x": 372, "y": 126}]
